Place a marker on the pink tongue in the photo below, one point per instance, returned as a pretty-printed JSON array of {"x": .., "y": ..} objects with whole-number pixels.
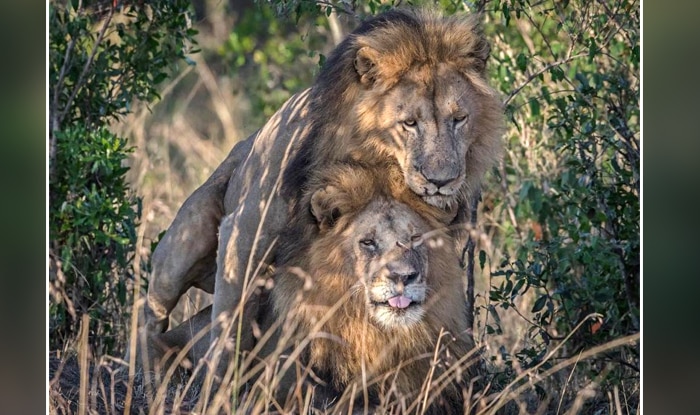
[{"x": 399, "y": 301}]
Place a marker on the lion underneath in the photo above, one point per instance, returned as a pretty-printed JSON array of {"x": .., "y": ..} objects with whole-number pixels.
[
  {"x": 377, "y": 286},
  {"x": 368, "y": 299}
]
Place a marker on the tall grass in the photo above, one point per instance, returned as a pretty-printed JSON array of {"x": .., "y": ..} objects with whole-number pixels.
[
  {"x": 179, "y": 141},
  {"x": 100, "y": 385}
]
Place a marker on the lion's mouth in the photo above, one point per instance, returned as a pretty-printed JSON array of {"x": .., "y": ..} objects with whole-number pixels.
[
  {"x": 397, "y": 311},
  {"x": 397, "y": 303}
]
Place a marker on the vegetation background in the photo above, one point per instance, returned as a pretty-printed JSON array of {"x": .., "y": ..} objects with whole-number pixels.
[{"x": 145, "y": 101}]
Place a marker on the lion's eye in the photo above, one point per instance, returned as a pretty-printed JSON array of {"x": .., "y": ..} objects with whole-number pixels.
[
  {"x": 416, "y": 238},
  {"x": 459, "y": 119},
  {"x": 368, "y": 243},
  {"x": 410, "y": 122}
]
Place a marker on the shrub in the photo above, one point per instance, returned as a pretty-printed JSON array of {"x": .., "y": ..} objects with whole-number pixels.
[
  {"x": 570, "y": 210},
  {"x": 101, "y": 58}
]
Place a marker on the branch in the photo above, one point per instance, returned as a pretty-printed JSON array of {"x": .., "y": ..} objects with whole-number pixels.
[
  {"x": 81, "y": 79},
  {"x": 470, "y": 262},
  {"x": 540, "y": 72},
  {"x": 53, "y": 111}
]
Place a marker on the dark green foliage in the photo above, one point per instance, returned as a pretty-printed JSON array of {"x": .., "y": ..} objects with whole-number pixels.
[
  {"x": 101, "y": 59},
  {"x": 93, "y": 232},
  {"x": 130, "y": 56},
  {"x": 575, "y": 158}
]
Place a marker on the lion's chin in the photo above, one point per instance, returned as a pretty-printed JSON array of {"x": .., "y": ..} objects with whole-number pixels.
[
  {"x": 389, "y": 317},
  {"x": 446, "y": 203}
]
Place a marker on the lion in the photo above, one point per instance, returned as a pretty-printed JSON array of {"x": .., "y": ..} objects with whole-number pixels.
[
  {"x": 406, "y": 87},
  {"x": 372, "y": 286},
  {"x": 377, "y": 287}
]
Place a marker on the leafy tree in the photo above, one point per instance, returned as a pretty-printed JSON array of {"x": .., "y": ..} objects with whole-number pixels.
[{"x": 103, "y": 55}]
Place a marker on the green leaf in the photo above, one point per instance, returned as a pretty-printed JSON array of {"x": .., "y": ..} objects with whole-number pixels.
[
  {"x": 556, "y": 73},
  {"x": 482, "y": 258},
  {"x": 521, "y": 60},
  {"x": 517, "y": 287},
  {"x": 539, "y": 304}
]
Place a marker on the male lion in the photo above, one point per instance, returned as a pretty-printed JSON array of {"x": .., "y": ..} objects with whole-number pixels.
[
  {"x": 368, "y": 299},
  {"x": 377, "y": 291},
  {"x": 406, "y": 87}
]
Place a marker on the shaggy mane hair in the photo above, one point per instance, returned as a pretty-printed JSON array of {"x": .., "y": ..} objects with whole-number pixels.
[
  {"x": 399, "y": 40},
  {"x": 352, "y": 341}
]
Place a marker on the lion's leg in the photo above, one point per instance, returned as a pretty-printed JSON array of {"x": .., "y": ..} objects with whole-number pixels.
[
  {"x": 185, "y": 256},
  {"x": 231, "y": 306},
  {"x": 192, "y": 334}
]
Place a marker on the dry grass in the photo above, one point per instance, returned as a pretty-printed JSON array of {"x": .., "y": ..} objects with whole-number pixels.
[
  {"x": 84, "y": 384},
  {"x": 178, "y": 143}
]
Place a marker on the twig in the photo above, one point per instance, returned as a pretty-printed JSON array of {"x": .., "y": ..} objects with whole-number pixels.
[
  {"x": 83, "y": 74},
  {"x": 470, "y": 262},
  {"x": 54, "y": 108},
  {"x": 566, "y": 384},
  {"x": 540, "y": 72},
  {"x": 532, "y": 323}
]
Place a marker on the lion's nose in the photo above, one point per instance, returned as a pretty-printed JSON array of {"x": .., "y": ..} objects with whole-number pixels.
[
  {"x": 439, "y": 177},
  {"x": 406, "y": 277}
]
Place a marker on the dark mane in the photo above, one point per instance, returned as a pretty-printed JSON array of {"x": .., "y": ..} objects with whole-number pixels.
[
  {"x": 327, "y": 95},
  {"x": 403, "y": 39}
]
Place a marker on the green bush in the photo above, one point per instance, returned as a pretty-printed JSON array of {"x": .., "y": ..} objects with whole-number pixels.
[
  {"x": 101, "y": 59},
  {"x": 570, "y": 72},
  {"x": 93, "y": 231}
]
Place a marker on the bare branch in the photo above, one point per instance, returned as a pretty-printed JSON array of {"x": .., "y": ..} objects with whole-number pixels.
[
  {"x": 540, "y": 72},
  {"x": 470, "y": 262},
  {"x": 86, "y": 68}
]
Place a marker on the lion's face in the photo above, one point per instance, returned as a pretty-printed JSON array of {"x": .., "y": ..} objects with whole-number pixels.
[
  {"x": 428, "y": 118},
  {"x": 386, "y": 260}
]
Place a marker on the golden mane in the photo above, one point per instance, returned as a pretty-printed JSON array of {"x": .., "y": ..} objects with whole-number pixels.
[
  {"x": 380, "y": 51},
  {"x": 316, "y": 276}
]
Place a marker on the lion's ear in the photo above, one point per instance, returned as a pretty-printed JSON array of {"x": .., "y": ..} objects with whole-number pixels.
[
  {"x": 324, "y": 207},
  {"x": 481, "y": 53},
  {"x": 475, "y": 49},
  {"x": 366, "y": 62}
]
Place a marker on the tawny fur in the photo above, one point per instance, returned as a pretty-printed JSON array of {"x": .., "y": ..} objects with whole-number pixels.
[
  {"x": 345, "y": 122},
  {"x": 318, "y": 275},
  {"x": 350, "y": 113}
]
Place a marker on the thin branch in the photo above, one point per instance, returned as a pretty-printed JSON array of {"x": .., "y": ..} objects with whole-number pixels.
[
  {"x": 470, "y": 262},
  {"x": 59, "y": 84},
  {"x": 540, "y": 72},
  {"x": 83, "y": 74},
  {"x": 539, "y": 29},
  {"x": 55, "y": 125},
  {"x": 532, "y": 323}
]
